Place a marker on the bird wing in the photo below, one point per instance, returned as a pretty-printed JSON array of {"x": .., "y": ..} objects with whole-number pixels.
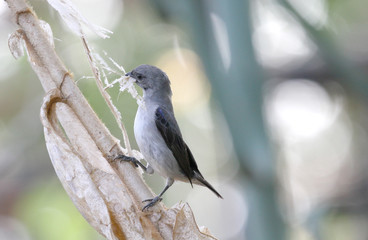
[{"x": 170, "y": 132}]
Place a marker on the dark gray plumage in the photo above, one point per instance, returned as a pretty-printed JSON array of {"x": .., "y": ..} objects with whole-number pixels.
[{"x": 158, "y": 134}]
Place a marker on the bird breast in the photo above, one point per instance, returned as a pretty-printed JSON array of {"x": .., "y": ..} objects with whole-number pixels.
[{"x": 152, "y": 145}]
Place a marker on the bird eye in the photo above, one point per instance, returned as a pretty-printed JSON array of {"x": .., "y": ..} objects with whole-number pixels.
[{"x": 139, "y": 76}]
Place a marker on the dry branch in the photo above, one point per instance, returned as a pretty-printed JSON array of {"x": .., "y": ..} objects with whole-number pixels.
[{"x": 108, "y": 195}]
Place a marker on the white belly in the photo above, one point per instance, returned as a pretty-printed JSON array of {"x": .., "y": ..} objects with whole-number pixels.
[{"x": 153, "y": 146}]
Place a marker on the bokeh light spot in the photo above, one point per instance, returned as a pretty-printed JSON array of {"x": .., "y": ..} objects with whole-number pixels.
[
  {"x": 301, "y": 109},
  {"x": 188, "y": 81}
]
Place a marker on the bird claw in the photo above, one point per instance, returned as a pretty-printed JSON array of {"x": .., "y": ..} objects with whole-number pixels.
[
  {"x": 152, "y": 202},
  {"x": 124, "y": 158}
]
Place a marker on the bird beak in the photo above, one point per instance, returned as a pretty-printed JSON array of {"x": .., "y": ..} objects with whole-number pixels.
[{"x": 129, "y": 74}]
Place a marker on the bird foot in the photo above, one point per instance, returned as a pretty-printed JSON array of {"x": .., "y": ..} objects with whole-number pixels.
[
  {"x": 133, "y": 160},
  {"x": 152, "y": 202}
]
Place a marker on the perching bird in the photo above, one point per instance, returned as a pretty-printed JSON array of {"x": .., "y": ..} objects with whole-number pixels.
[{"x": 158, "y": 135}]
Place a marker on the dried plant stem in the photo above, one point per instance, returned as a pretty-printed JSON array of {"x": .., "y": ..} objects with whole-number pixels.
[
  {"x": 108, "y": 196},
  {"x": 54, "y": 75},
  {"x": 107, "y": 97}
]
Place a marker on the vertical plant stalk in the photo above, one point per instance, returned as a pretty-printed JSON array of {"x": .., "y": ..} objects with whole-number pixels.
[
  {"x": 349, "y": 74},
  {"x": 226, "y": 49},
  {"x": 106, "y": 96},
  {"x": 108, "y": 195}
]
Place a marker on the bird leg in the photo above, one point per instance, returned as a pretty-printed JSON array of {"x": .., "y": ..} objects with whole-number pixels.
[
  {"x": 153, "y": 201},
  {"x": 133, "y": 160}
]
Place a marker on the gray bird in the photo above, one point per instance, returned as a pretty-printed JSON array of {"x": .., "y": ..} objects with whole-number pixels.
[{"x": 158, "y": 135}]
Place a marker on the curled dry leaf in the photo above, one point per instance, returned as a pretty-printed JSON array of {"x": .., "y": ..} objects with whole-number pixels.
[
  {"x": 16, "y": 44},
  {"x": 182, "y": 224},
  {"x": 87, "y": 177}
]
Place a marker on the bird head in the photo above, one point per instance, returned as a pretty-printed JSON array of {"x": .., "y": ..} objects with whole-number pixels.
[{"x": 151, "y": 79}]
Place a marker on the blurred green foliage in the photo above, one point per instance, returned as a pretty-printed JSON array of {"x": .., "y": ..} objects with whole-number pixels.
[{"x": 49, "y": 214}]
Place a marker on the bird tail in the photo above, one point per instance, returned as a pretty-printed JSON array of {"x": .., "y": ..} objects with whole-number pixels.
[{"x": 202, "y": 181}]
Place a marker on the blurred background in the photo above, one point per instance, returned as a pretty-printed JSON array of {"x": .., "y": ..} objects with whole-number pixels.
[{"x": 270, "y": 96}]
